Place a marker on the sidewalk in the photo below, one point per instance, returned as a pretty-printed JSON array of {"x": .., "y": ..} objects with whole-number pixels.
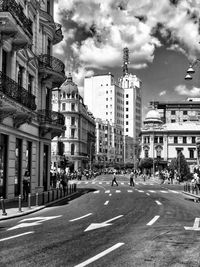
[{"x": 12, "y": 209}]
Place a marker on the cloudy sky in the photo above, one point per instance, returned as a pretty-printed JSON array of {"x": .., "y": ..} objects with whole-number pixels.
[{"x": 162, "y": 37}]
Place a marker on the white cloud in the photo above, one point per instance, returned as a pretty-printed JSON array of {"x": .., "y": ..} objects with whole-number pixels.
[
  {"x": 121, "y": 23},
  {"x": 162, "y": 93},
  {"x": 183, "y": 90}
]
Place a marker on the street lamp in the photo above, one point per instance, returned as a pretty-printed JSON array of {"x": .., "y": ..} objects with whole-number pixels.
[{"x": 190, "y": 70}]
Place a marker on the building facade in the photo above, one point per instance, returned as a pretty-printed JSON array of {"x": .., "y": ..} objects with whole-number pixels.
[
  {"x": 109, "y": 143},
  {"x": 28, "y": 72},
  {"x": 164, "y": 141},
  {"x": 77, "y": 144}
]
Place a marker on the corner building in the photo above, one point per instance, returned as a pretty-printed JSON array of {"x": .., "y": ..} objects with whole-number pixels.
[
  {"x": 78, "y": 140},
  {"x": 28, "y": 72}
]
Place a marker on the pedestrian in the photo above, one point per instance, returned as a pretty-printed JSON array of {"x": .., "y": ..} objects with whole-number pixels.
[
  {"x": 26, "y": 185},
  {"x": 132, "y": 179},
  {"x": 114, "y": 179}
]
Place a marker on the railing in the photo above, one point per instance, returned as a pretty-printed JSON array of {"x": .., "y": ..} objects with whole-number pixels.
[
  {"x": 47, "y": 61},
  {"x": 51, "y": 117},
  {"x": 12, "y": 89},
  {"x": 191, "y": 188},
  {"x": 17, "y": 12}
]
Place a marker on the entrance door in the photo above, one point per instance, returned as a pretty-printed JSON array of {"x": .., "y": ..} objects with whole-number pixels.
[
  {"x": 18, "y": 166},
  {"x": 3, "y": 164}
]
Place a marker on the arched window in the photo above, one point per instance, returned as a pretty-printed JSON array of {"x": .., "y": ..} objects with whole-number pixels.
[
  {"x": 64, "y": 95},
  {"x": 72, "y": 149}
]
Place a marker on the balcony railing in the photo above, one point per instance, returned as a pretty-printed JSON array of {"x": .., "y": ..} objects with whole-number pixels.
[
  {"x": 51, "y": 117},
  {"x": 47, "y": 61},
  {"x": 12, "y": 89},
  {"x": 17, "y": 12}
]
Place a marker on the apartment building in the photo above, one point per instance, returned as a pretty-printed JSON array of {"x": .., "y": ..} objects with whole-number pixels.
[
  {"x": 28, "y": 72},
  {"x": 78, "y": 140}
]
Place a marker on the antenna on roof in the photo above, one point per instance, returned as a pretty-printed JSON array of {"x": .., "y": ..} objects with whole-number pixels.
[{"x": 125, "y": 60}]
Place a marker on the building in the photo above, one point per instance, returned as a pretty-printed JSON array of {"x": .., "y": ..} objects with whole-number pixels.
[
  {"x": 164, "y": 141},
  {"x": 178, "y": 111},
  {"x": 28, "y": 72},
  {"x": 109, "y": 144},
  {"x": 77, "y": 144},
  {"x": 102, "y": 91}
]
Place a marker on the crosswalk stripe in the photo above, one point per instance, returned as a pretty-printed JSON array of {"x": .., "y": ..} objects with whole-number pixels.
[
  {"x": 129, "y": 191},
  {"x": 100, "y": 182},
  {"x": 152, "y": 191},
  {"x": 141, "y": 191},
  {"x": 107, "y": 191},
  {"x": 173, "y": 191},
  {"x": 163, "y": 191},
  {"x": 96, "y": 192},
  {"x": 122, "y": 183},
  {"x": 93, "y": 182},
  {"x": 107, "y": 183},
  {"x": 118, "y": 191}
]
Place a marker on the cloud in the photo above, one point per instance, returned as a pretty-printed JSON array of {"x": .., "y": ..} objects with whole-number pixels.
[
  {"x": 183, "y": 90},
  {"x": 162, "y": 93},
  {"x": 96, "y": 31}
]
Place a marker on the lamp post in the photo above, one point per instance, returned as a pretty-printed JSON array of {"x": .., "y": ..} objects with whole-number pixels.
[{"x": 191, "y": 70}]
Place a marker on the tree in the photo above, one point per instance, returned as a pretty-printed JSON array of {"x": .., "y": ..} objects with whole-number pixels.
[
  {"x": 180, "y": 164},
  {"x": 146, "y": 163}
]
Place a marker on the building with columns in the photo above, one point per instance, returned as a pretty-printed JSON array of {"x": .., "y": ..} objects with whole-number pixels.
[
  {"x": 28, "y": 72},
  {"x": 163, "y": 141},
  {"x": 78, "y": 140}
]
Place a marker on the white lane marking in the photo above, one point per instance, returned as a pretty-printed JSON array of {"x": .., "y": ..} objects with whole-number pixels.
[
  {"x": 173, "y": 191},
  {"x": 195, "y": 226},
  {"x": 15, "y": 236},
  {"x": 110, "y": 195},
  {"x": 147, "y": 194},
  {"x": 118, "y": 191},
  {"x": 79, "y": 218},
  {"x": 136, "y": 183},
  {"x": 152, "y": 191},
  {"x": 151, "y": 184},
  {"x": 163, "y": 191},
  {"x": 93, "y": 182},
  {"x": 100, "y": 255},
  {"x": 153, "y": 220},
  {"x": 122, "y": 183},
  {"x": 107, "y": 191},
  {"x": 158, "y": 202},
  {"x": 107, "y": 183},
  {"x": 100, "y": 182},
  {"x": 96, "y": 192},
  {"x": 130, "y": 191},
  {"x": 141, "y": 191},
  {"x": 106, "y": 203},
  {"x": 86, "y": 182},
  {"x": 78, "y": 182}
]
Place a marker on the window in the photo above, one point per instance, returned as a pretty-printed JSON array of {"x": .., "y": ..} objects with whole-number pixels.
[
  {"x": 63, "y": 106},
  {"x": 184, "y": 112},
  {"x": 172, "y": 121},
  {"x": 64, "y": 95},
  {"x": 48, "y": 7},
  {"x": 155, "y": 139},
  {"x": 126, "y": 102},
  {"x": 175, "y": 139},
  {"x": 126, "y": 109},
  {"x": 126, "y": 122},
  {"x": 193, "y": 139},
  {"x": 161, "y": 140},
  {"x": 127, "y": 116},
  {"x": 106, "y": 99},
  {"x": 72, "y": 120},
  {"x": 106, "y": 92},
  {"x": 20, "y": 76},
  {"x": 126, "y": 95},
  {"x": 73, "y": 107},
  {"x": 146, "y": 153},
  {"x": 72, "y": 133},
  {"x": 126, "y": 129},
  {"x": 191, "y": 152},
  {"x": 173, "y": 112},
  {"x": 72, "y": 149},
  {"x": 106, "y": 106},
  {"x": 184, "y": 140},
  {"x": 30, "y": 84}
]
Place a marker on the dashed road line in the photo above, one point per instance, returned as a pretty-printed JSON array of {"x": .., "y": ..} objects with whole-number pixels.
[
  {"x": 152, "y": 191},
  {"x": 106, "y": 203},
  {"x": 165, "y": 192},
  {"x": 96, "y": 192},
  {"x": 147, "y": 194},
  {"x": 79, "y": 218},
  {"x": 153, "y": 220},
  {"x": 15, "y": 236},
  {"x": 100, "y": 255},
  {"x": 107, "y": 191},
  {"x": 158, "y": 202},
  {"x": 141, "y": 191}
]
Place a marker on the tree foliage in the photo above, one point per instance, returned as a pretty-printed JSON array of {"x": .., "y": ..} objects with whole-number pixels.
[
  {"x": 180, "y": 164},
  {"x": 146, "y": 163}
]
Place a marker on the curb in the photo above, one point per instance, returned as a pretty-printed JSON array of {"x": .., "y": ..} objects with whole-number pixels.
[{"x": 32, "y": 210}]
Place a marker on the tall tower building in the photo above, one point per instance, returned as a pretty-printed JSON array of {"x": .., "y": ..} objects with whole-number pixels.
[{"x": 104, "y": 98}]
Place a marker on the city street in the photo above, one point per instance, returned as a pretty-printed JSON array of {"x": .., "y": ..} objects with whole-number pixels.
[{"x": 148, "y": 225}]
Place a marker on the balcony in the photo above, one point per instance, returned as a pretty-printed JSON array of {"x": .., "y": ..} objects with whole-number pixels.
[
  {"x": 14, "y": 23},
  {"x": 16, "y": 101},
  {"x": 58, "y": 34},
  {"x": 51, "y": 122},
  {"x": 51, "y": 69}
]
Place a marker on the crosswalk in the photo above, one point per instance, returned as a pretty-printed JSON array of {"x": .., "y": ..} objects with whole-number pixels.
[
  {"x": 108, "y": 183},
  {"x": 117, "y": 191}
]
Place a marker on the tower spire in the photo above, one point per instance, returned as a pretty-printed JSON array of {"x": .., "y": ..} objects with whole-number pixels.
[{"x": 125, "y": 60}]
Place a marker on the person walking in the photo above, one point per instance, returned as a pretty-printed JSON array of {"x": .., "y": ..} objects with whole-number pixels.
[
  {"x": 132, "y": 179},
  {"x": 26, "y": 185},
  {"x": 114, "y": 179}
]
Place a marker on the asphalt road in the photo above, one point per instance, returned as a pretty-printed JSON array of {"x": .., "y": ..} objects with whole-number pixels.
[{"x": 148, "y": 225}]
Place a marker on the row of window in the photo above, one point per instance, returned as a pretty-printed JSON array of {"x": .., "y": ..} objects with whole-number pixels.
[
  {"x": 158, "y": 153},
  {"x": 159, "y": 139},
  {"x": 72, "y": 106},
  {"x": 173, "y": 112}
]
